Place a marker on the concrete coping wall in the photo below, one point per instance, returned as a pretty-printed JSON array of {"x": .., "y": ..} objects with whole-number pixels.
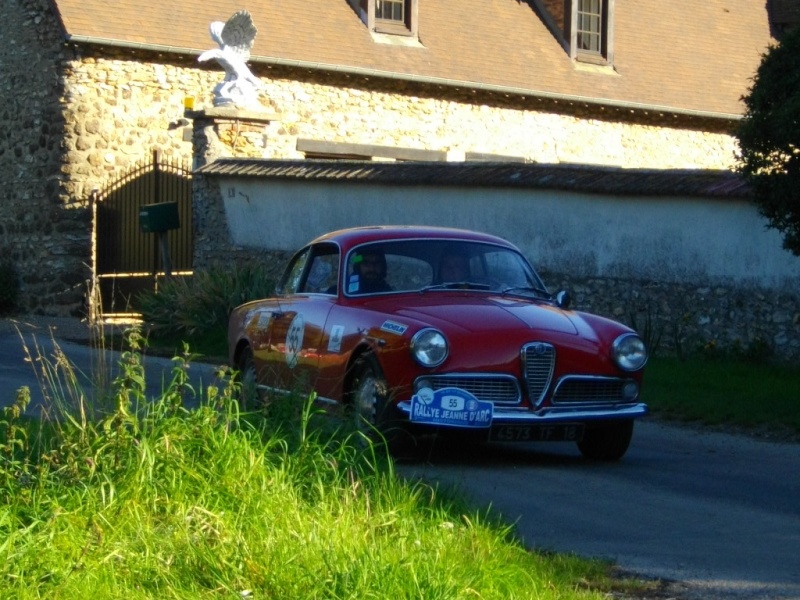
[{"x": 691, "y": 272}]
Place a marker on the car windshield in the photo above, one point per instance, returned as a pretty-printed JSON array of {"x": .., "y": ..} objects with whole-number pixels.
[{"x": 433, "y": 265}]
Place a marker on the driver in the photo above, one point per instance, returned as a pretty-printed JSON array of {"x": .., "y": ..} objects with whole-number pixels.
[{"x": 369, "y": 273}]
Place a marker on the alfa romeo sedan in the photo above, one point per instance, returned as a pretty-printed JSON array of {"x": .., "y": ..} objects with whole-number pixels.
[{"x": 441, "y": 331}]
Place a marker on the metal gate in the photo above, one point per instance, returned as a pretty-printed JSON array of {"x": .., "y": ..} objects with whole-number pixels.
[{"x": 127, "y": 260}]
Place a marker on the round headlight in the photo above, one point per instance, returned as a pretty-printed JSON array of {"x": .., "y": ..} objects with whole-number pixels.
[
  {"x": 629, "y": 352},
  {"x": 429, "y": 347}
]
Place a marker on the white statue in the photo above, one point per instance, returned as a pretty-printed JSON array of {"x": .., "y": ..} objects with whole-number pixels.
[{"x": 235, "y": 38}]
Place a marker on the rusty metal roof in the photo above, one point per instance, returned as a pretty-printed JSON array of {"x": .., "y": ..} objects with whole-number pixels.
[{"x": 568, "y": 177}]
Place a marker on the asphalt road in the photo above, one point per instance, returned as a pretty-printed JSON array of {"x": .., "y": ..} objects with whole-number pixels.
[
  {"x": 33, "y": 359},
  {"x": 719, "y": 513}
]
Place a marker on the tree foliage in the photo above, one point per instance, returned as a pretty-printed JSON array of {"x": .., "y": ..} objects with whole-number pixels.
[{"x": 769, "y": 139}]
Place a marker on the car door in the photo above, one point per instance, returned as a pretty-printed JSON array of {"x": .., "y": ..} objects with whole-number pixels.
[{"x": 308, "y": 294}]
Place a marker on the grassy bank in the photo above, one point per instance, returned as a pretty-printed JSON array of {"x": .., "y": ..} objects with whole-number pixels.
[
  {"x": 725, "y": 391},
  {"x": 147, "y": 500}
]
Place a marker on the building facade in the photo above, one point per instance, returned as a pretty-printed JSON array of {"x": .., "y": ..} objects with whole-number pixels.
[{"x": 93, "y": 87}]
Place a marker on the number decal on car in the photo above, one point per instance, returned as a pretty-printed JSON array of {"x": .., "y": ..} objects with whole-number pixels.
[{"x": 294, "y": 340}]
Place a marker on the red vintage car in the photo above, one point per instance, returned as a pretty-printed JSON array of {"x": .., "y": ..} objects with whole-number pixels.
[{"x": 427, "y": 330}]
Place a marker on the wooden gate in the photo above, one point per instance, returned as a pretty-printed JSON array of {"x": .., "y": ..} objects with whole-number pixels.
[{"x": 127, "y": 260}]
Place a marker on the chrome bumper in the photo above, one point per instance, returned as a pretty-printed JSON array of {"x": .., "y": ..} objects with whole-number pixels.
[{"x": 559, "y": 414}]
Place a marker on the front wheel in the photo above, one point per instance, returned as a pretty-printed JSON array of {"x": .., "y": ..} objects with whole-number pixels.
[
  {"x": 368, "y": 393},
  {"x": 607, "y": 441},
  {"x": 371, "y": 408}
]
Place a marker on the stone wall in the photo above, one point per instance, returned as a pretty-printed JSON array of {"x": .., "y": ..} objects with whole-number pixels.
[
  {"x": 688, "y": 319},
  {"x": 680, "y": 316},
  {"x": 117, "y": 108},
  {"x": 43, "y": 231},
  {"x": 458, "y": 126},
  {"x": 681, "y": 319}
]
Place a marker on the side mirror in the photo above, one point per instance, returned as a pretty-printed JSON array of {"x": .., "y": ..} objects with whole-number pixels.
[{"x": 563, "y": 299}]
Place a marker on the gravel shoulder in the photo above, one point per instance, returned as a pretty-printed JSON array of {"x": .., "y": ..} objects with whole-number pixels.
[{"x": 71, "y": 329}]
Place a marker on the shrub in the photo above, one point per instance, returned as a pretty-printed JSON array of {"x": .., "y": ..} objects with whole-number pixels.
[
  {"x": 647, "y": 324},
  {"x": 201, "y": 304},
  {"x": 769, "y": 135},
  {"x": 9, "y": 287}
]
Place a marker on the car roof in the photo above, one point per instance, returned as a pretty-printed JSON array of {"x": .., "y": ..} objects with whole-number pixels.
[{"x": 354, "y": 236}]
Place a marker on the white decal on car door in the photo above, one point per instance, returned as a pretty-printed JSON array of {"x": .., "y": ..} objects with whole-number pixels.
[
  {"x": 294, "y": 340},
  {"x": 335, "y": 341}
]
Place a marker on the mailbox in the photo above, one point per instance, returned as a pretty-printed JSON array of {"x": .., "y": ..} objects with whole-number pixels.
[{"x": 157, "y": 218}]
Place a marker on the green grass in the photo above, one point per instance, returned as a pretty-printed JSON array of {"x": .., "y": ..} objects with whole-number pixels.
[
  {"x": 724, "y": 392},
  {"x": 149, "y": 500}
]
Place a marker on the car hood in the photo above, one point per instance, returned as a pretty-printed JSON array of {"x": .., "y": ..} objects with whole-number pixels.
[{"x": 474, "y": 313}]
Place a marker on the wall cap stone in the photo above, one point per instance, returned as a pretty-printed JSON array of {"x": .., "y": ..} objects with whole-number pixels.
[{"x": 230, "y": 112}]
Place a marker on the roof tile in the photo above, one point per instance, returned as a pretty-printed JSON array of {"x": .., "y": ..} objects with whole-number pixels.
[{"x": 696, "y": 56}]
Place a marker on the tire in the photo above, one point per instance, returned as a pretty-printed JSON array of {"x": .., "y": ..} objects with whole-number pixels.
[
  {"x": 368, "y": 393},
  {"x": 369, "y": 404},
  {"x": 249, "y": 396},
  {"x": 608, "y": 441}
]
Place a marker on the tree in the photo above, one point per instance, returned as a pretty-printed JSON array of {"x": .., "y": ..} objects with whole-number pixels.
[{"x": 769, "y": 139}]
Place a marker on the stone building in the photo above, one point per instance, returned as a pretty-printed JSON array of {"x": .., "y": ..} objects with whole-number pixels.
[{"x": 91, "y": 87}]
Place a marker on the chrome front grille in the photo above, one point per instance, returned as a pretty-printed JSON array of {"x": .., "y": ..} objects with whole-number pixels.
[
  {"x": 589, "y": 390},
  {"x": 538, "y": 362},
  {"x": 500, "y": 389}
]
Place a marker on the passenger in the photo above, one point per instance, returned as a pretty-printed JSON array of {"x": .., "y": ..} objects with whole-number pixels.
[{"x": 453, "y": 268}]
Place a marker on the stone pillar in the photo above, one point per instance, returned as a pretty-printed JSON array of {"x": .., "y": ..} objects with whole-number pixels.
[
  {"x": 219, "y": 132},
  {"x": 228, "y": 132}
]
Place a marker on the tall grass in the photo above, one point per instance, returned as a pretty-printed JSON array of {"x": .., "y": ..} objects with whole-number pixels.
[
  {"x": 725, "y": 391},
  {"x": 153, "y": 500}
]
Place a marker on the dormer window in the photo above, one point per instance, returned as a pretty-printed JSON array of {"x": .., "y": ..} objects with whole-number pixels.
[
  {"x": 590, "y": 30},
  {"x": 391, "y": 11},
  {"x": 584, "y": 27},
  {"x": 397, "y": 17}
]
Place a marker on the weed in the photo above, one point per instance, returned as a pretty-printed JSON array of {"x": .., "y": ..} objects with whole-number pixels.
[
  {"x": 14, "y": 442},
  {"x": 648, "y": 327}
]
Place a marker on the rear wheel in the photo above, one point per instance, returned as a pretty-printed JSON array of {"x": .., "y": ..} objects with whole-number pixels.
[
  {"x": 249, "y": 396},
  {"x": 371, "y": 408},
  {"x": 607, "y": 441}
]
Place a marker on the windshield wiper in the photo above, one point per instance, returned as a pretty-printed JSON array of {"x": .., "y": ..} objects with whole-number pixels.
[
  {"x": 456, "y": 285},
  {"x": 522, "y": 288}
]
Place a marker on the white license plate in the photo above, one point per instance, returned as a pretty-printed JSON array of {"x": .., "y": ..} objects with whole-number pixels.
[{"x": 560, "y": 432}]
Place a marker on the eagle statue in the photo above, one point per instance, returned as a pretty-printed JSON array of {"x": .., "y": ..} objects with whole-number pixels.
[{"x": 235, "y": 39}]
